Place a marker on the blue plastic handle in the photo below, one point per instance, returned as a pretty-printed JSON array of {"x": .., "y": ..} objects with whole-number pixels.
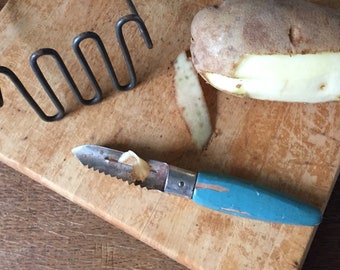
[{"x": 242, "y": 198}]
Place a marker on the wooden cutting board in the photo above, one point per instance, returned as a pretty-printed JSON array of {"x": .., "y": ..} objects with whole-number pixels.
[{"x": 293, "y": 148}]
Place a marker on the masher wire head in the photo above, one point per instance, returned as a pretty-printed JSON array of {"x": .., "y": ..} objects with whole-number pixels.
[{"x": 97, "y": 97}]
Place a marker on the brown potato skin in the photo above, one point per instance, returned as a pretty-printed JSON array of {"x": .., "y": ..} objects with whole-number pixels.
[{"x": 222, "y": 34}]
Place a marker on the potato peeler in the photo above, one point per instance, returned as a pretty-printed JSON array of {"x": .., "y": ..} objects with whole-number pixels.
[{"x": 222, "y": 193}]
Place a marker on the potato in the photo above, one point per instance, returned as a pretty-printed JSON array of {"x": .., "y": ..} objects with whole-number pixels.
[
  {"x": 140, "y": 168},
  {"x": 269, "y": 49}
]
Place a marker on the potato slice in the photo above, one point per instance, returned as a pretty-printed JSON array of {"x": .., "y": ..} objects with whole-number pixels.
[
  {"x": 191, "y": 100},
  {"x": 140, "y": 168},
  {"x": 274, "y": 50}
]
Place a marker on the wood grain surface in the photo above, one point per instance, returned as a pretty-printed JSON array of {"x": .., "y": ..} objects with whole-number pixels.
[
  {"x": 293, "y": 148},
  {"x": 42, "y": 230}
]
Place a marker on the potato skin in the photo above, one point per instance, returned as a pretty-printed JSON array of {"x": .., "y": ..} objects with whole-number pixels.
[{"x": 222, "y": 34}]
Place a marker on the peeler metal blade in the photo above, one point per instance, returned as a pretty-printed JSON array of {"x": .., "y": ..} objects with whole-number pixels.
[{"x": 105, "y": 160}]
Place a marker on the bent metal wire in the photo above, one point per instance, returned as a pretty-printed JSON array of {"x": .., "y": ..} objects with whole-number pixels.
[{"x": 134, "y": 17}]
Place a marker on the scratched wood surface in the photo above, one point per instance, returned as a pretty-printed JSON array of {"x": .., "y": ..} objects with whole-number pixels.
[
  {"x": 42, "y": 230},
  {"x": 290, "y": 147}
]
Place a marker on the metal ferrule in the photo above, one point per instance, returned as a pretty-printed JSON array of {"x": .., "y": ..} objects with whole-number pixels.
[{"x": 180, "y": 182}]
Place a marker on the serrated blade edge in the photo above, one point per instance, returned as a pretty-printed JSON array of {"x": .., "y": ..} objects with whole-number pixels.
[{"x": 105, "y": 160}]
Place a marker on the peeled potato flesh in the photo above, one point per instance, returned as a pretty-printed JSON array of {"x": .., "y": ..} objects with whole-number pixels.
[
  {"x": 308, "y": 78},
  {"x": 140, "y": 168}
]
